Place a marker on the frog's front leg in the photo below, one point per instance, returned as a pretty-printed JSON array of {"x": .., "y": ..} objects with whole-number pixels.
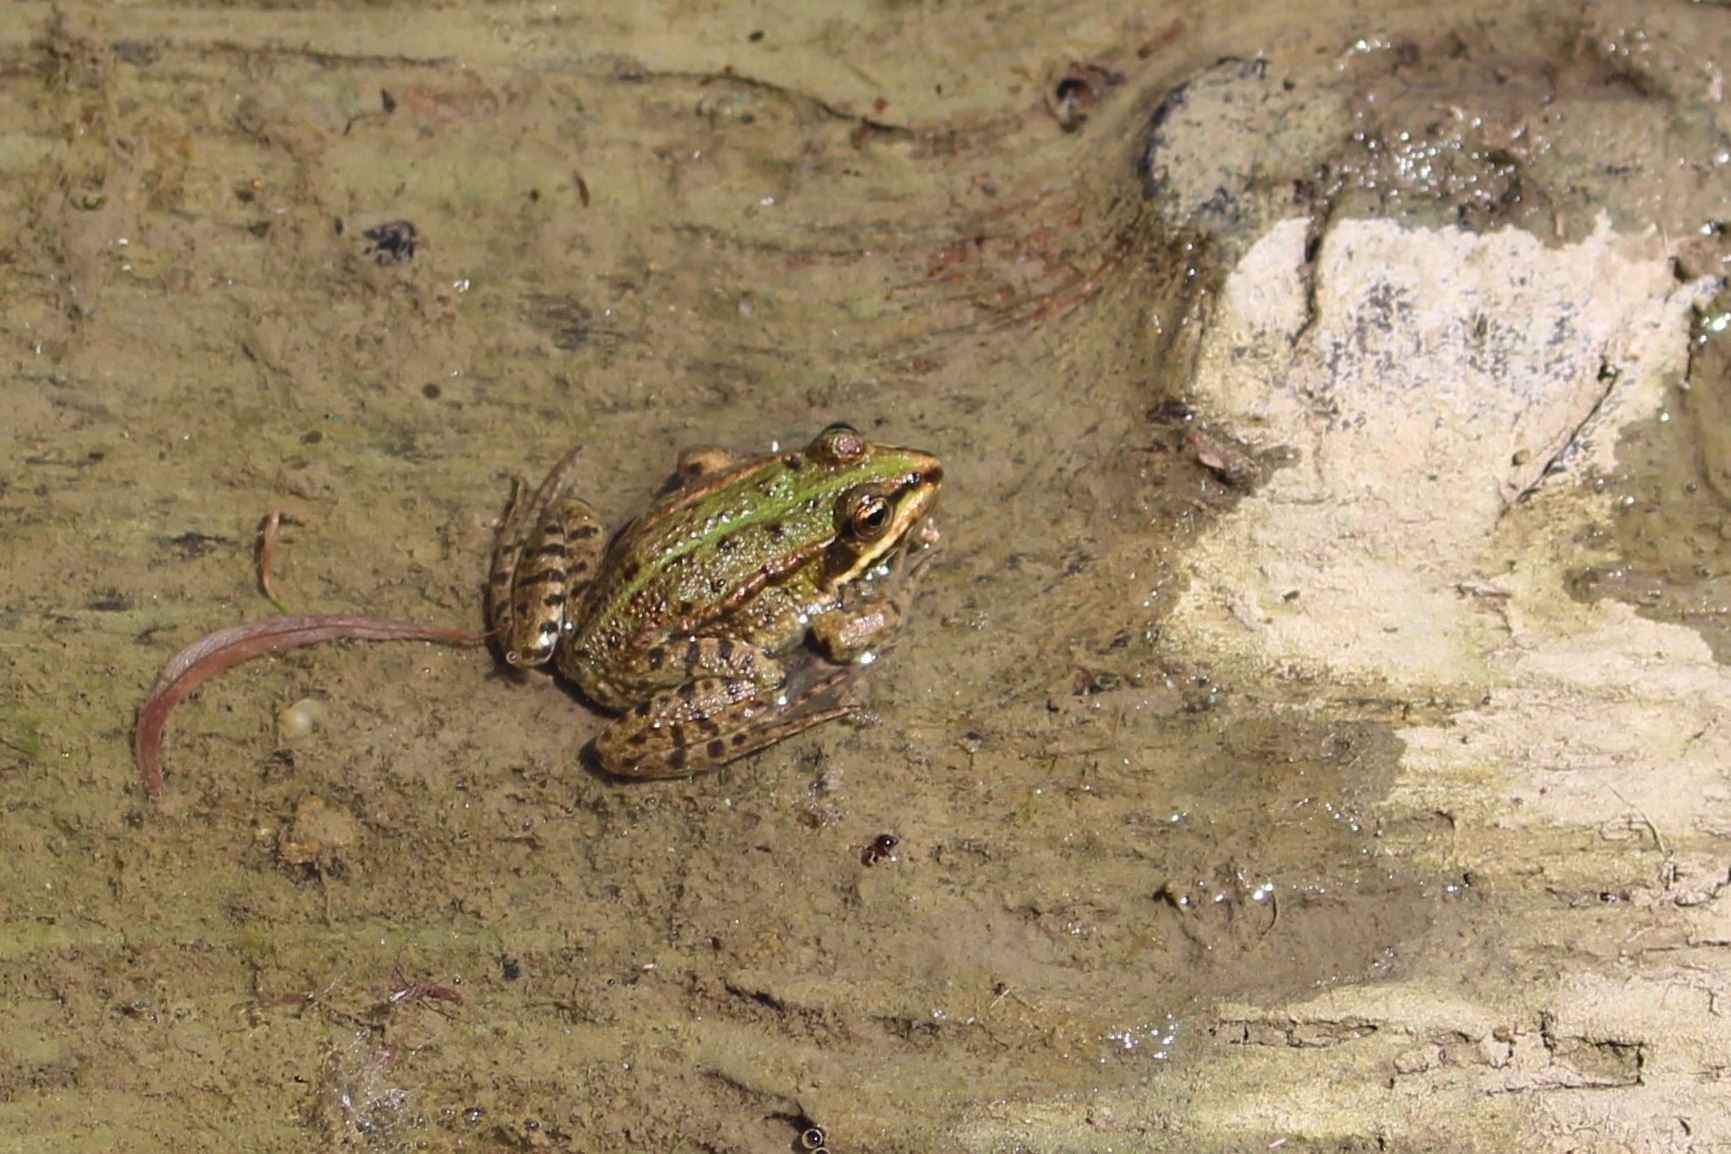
[
  {"x": 851, "y": 632},
  {"x": 732, "y": 705},
  {"x": 846, "y": 636},
  {"x": 544, "y": 559}
]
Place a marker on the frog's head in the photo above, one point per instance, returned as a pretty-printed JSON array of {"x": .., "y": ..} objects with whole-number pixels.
[{"x": 884, "y": 499}]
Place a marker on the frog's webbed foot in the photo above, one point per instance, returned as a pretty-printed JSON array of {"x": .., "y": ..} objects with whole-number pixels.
[
  {"x": 706, "y": 723},
  {"x": 845, "y": 637},
  {"x": 544, "y": 558}
]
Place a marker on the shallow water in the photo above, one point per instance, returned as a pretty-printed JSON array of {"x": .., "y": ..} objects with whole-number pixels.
[{"x": 635, "y": 234}]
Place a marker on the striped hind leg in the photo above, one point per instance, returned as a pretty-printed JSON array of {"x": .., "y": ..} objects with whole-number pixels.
[{"x": 544, "y": 559}]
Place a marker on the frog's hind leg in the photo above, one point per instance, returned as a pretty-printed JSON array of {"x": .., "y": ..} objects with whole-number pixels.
[
  {"x": 544, "y": 559},
  {"x": 520, "y": 515},
  {"x": 688, "y": 730}
]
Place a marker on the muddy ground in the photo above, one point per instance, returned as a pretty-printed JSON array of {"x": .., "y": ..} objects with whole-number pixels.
[{"x": 1308, "y": 736}]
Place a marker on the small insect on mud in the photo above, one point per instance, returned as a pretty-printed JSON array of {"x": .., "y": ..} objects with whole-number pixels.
[{"x": 882, "y": 848}]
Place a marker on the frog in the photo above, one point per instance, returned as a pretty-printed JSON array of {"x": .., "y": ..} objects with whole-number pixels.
[{"x": 687, "y": 622}]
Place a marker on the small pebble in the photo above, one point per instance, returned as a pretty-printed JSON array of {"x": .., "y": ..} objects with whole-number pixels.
[{"x": 298, "y": 721}]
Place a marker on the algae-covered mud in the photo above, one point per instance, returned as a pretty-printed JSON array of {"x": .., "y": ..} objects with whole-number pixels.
[{"x": 1307, "y": 735}]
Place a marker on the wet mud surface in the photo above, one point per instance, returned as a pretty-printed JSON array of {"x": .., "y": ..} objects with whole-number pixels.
[{"x": 370, "y": 265}]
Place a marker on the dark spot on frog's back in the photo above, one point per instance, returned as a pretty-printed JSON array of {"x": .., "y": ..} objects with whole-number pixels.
[
  {"x": 725, "y": 543},
  {"x": 776, "y": 530},
  {"x": 584, "y": 532},
  {"x": 793, "y": 460},
  {"x": 716, "y": 748}
]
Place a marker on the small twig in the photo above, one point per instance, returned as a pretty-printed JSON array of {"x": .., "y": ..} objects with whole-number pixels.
[
  {"x": 267, "y": 536},
  {"x": 1273, "y": 919},
  {"x": 419, "y": 991},
  {"x": 214, "y": 652},
  {"x": 1068, "y": 296},
  {"x": 1667, "y": 874}
]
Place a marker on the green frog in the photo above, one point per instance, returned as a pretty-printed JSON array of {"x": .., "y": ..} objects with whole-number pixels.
[{"x": 682, "y": 622}]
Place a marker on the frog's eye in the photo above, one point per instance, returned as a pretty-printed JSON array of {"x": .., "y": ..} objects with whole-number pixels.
[
  {"x": 868, "y": 516},
  {"x": 839, "y": 445}
]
